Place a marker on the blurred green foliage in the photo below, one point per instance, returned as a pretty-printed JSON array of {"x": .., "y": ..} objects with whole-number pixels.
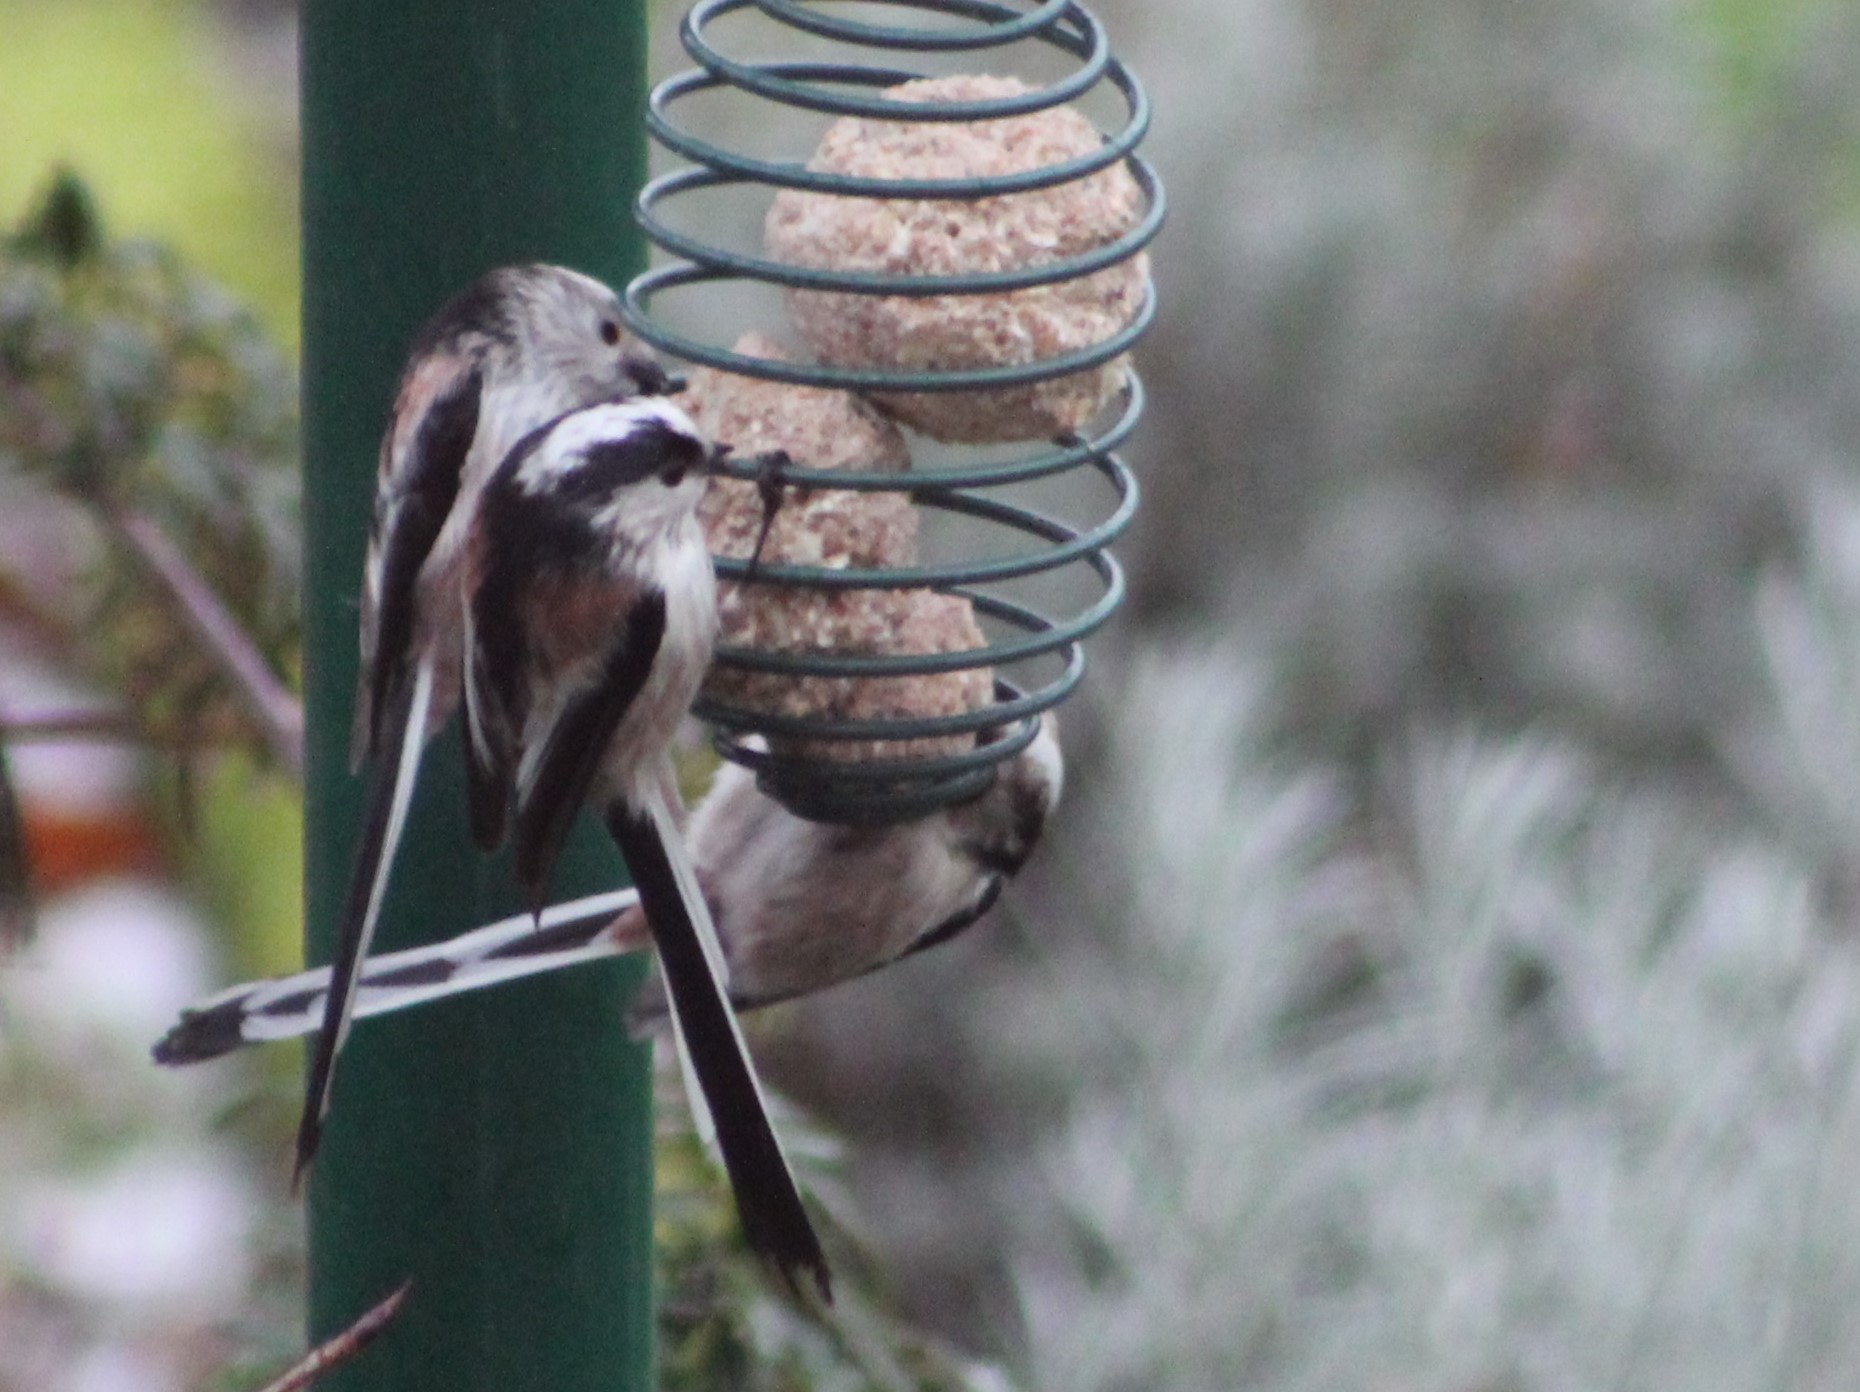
[
  {"x": 723, "y": 1322},
  {"x": 248, "y": 865},
  {"x": 158, "y": 106},
  {"x": 1783, "y": 75},
  {"x": 1754, "y": 40},
  {"x": 134, "y": 387},
  {"x": 150, "y": 100}
]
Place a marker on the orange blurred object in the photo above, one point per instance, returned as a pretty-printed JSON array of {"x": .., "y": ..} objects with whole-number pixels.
[{"x": 67, "y": 847}]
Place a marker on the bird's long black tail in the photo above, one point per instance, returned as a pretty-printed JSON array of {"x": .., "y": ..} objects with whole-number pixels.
[
  {"x": 389, "y": 794},
  {"x": 773, "y": 1216}
]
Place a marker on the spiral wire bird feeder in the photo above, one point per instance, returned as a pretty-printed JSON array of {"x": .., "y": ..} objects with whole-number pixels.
[{"x": 1044, "y": 650}]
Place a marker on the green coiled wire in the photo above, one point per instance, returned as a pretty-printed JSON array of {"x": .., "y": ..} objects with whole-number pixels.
[{"x": 1023, "y": 637}]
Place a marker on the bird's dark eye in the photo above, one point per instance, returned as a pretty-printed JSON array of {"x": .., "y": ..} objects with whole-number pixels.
[
  {"x": 673, "y": 476},
  {"x": 610, "y": 332}
]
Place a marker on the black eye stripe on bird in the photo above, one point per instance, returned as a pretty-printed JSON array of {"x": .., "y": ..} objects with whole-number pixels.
[
  {"x": 607, "y": 447},
  {"x": 516, "y": 349}
]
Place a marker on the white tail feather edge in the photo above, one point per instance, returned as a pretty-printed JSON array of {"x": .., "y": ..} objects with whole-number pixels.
[
  {"x": 406, "y": 770},
  {"x": 469, "y": 953},
  {"x": 666, "y": 819}
]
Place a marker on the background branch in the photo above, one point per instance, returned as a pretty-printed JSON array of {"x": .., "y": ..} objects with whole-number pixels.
[{"x": 276, "y": 712}]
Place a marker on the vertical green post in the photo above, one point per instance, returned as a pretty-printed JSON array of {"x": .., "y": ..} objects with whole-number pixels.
[{"x": 496, "y": 1150}]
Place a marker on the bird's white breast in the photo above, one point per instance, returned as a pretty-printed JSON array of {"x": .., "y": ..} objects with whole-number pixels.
[{"x": 683, "y": 567}]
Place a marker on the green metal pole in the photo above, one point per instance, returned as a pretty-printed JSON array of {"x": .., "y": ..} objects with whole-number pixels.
[{"x": 496, "y": 1150}]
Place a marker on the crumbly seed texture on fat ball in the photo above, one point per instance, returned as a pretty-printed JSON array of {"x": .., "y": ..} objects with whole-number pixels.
[
  {"x": 951, "y": 237},
  {"x": 834, "y": 529}
]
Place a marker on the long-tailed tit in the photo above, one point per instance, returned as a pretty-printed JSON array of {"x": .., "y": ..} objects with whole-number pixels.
[
  {"x": 591, "y": 615},
  {"x": 799, "y": 906},
  {"x": 515, "y": 349},
  {"x": 805, "y": 905}
]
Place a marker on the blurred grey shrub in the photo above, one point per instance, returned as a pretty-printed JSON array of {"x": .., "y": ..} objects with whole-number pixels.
[
  {"x": 1496, "y": 343},
  {"x": 1493, "y": 1072}
]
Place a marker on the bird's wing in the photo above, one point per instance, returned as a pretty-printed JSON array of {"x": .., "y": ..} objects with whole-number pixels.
[
  {"x": 423, "y": 454},
  {"x": 558, "y": 768},
  {"x": 490, "y": 738},
  {"x": 389, "y": 795}
]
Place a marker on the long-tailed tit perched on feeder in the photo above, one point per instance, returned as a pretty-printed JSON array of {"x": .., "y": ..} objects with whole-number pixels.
[
  {"x": 591, "y": 615},
  {"x": 805, "y": 905},
  {"x": 517, "y": 348},
  {"x": 799, "y": 906}
]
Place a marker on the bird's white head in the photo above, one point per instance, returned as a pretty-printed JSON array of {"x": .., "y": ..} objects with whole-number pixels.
[{"x": 552, "y": 330}]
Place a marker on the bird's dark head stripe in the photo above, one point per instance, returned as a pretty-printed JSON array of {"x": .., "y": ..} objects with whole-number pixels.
[
  {"x": 649, "y": 449},
  {"x": 483, "y": 307},
  {"x": 645, "y": 449},
  {"x": 527, "y": 446},
  {"x": 650, "y": 446}
]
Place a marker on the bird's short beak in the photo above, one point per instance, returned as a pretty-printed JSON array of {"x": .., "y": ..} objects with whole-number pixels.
[{"x": 649, "y": 378}]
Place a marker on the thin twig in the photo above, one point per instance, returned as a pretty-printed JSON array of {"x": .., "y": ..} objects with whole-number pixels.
[
  {"x": 16, "y": 896},
  {"x": 343, "y": 1347},
  {"x": 104, "y": 726},
  {"x": 47, "y": 628},
  {"x": 277, "y": 713}
]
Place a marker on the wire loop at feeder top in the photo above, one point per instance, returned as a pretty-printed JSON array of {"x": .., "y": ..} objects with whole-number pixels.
[{"x": 963, "y": 254}]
